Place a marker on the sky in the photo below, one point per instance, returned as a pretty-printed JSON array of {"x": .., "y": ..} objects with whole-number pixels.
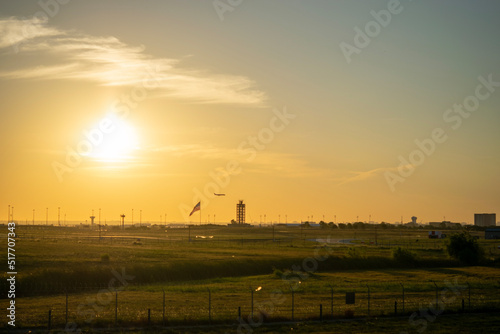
[{"x": 306, "y": 110}]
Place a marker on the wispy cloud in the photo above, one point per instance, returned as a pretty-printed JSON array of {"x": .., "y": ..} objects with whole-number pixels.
[
  {"x": 108, "y": 61},
  {"x": 14, "y": 31}
]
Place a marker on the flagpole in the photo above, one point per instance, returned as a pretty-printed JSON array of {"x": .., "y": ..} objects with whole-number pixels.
[{"x": 200, "y": 213}]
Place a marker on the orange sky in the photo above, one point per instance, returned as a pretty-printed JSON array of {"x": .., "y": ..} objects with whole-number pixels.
[{"x": 124, "y": 105}]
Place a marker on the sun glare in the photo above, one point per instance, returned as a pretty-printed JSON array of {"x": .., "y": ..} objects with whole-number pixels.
[{"x": 118, "y": 143}]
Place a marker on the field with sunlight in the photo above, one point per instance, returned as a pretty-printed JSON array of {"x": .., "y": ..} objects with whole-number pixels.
[{"x": 224, "y": 275}]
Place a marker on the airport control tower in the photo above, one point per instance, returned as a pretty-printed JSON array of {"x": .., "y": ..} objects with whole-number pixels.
[{"x": 240, "y": 212}]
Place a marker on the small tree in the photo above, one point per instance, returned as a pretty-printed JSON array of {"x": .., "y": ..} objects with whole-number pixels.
[
  {"x": 465, "y": 248},
  {"x": 332, "y": 225}
]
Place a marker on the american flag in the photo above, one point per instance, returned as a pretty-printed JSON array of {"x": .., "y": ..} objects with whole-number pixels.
[{"x": 196, "y": 208}]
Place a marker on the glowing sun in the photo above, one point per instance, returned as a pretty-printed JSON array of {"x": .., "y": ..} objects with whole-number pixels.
[{"x": 118, "y": 143}]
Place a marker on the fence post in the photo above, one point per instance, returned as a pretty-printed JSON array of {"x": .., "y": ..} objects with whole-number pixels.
[
  {"x": 251, "y": 300},
  {"x": 331, "y": 300},
  {"x": 463, "y": 305},
  {"x": 368, "y": 299},
  {"x": 239, "y": 314},
  {"x": 468, "y": 285},
  {"x": 50, "y": 316},
  {"x": 66, "y": 318},
  {"x": 320, "y": 312},
  {"x": 403, "y": 296},
  {"x": 293, "y": 301},
  {"x": 163, "y": 316},
  {"x": 116, "y": 308},
  {"x": 209, "y": 306},
  {"x": 149, "y": 317},
  {"x": 436, "y": 294}
]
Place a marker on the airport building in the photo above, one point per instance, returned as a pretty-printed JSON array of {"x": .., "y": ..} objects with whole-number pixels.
[
  {"x": 492, "y": 233},
  {"x": 240, "y": 212},
  {"x": 485, "y": 219}
]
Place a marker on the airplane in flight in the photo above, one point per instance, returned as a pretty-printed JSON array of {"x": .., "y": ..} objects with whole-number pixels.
[{"x": 219, "y": 194}]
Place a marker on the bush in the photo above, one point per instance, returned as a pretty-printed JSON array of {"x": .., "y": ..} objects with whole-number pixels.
[
  {"x": 402, "y": 255},
  {"x": 465, "y": 248},
  {"x": 355, "y": 253},
  {"x": 277, "y": 272},
  {"x": 105, "y": 258}
]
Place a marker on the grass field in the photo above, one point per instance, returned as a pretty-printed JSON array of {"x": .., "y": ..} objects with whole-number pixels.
[{"x": 206, "y": 279}]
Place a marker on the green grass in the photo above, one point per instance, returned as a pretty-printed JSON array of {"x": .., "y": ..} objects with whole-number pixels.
[
  {"x": 52, "y": 260},
  {"x": 188, "y": 301},
  {"x": 75, "y": 256}
]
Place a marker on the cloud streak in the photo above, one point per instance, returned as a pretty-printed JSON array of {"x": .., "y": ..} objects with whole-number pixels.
[{"x": 110, "y": 62}]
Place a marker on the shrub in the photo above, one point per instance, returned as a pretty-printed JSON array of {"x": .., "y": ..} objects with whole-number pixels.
[
  {"x": 355, "y": 253},
  {"x": 403, "y": 256},
  {"x": 277, "y": 272},
  {"x": 105, "y": 258},
  {"x": 465, "y": 248}
]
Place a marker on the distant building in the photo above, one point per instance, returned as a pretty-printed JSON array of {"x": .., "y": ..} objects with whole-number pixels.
[
  {"x": 436, "y": 235},
  {"x": 485, "y": 219},
  {"x": 240, "y": 212},
  {"x": 492, "y": 233},
  {"x": 445, "y": 224},
  {"x": 413, "y": 222}
]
